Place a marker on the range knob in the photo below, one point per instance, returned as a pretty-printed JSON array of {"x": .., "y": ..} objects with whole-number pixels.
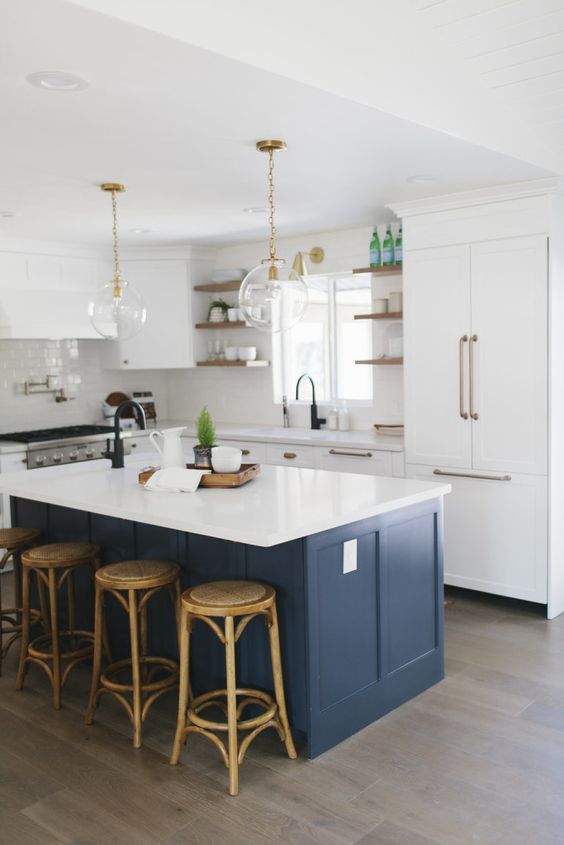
[
  {"x": 58, "y": 457},
  {"x": 39, "y": 460},
  {"x": 89, "y": 452},
  {"x": 73, "y": 455}
]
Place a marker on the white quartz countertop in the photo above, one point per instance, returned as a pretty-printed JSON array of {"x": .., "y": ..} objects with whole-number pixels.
[
  {"x": 300, "y": 436},
  {"x": 281, "y": 504}
]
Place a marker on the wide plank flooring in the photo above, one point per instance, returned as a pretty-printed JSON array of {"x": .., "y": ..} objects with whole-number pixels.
[{"x": 477, "y": 759}]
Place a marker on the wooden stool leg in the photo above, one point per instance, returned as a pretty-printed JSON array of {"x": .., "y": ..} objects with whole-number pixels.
[
  {"x": 25, "y": 628},
  {"x": 17, "y": 562},
  {"x": 97, "y": 660},
  {"x": 1, "y": 625},
  {"x": 134, "y": 635},
  {"x": 274, "y": 638},
  {"x": 144, "y": 644},
  {"x": 183, "y": 686},
  {"x": 43, "y": 606},
  {"x": 55, "y": 639},
  {"x": 96, "y": 563},
  {"x": 231, "y": 685}
]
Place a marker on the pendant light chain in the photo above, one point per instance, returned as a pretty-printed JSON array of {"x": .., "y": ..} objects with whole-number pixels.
[
  {"x": 117, "y": 270},
  {"x": 271, "y": 207}
]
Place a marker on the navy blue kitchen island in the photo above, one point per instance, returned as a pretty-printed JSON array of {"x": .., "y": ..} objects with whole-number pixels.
[{"x": 360, "y": 604}]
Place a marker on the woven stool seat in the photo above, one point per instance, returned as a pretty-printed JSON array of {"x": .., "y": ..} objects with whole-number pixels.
[
  {"x": 242, "y": 601},
  {"x": 14, "y": 538},
  {"x": 137, "y": 574},
  {"x": 62, "y": 647},
  {"x": 227, "y": 598},
  {"x": 59, "y": 554},
  {"x": 133, "y": 583},
  {"x": 15, "y": 541}
]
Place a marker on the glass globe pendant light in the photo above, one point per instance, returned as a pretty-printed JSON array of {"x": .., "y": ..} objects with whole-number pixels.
[
  {"x": 116, "y": 311},
  {"x": 272, "y": 297}
]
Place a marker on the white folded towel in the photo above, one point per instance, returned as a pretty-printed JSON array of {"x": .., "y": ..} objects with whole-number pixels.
[{"x": 175, "y": 480}]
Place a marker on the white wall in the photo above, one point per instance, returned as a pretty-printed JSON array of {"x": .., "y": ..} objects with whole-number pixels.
[
  {"x": 77, "y": 363},
  {"x": 246, "y": 395}
]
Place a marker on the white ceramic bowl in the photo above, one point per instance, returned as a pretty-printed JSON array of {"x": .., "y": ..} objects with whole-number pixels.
[
  {"x": 226, "y": 459},
  {"x": 231, "y": 353},
  {"x": 247, "y": 353},
  {"x": 233, "y": 315}
]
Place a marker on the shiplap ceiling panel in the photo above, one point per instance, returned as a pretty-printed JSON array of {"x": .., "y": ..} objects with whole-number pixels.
[{"x": 514, "y": 48}]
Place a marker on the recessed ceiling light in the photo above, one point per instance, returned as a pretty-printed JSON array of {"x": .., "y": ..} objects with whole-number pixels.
[
  {"x": 256, "y": 209},
  {"x": 57, "y": 80},
  {"x": 7, "y": 214},
  {"x": 422, "y": 178},
  {"x": 140, "y": 231}
]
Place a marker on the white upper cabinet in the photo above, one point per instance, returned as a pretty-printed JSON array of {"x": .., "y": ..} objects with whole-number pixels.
[
  {"x": 510, "y": 355},
  {"x": 166, "y": 339},
  {"x": 46, "y": 296},
  {"x": 436, "y": 317}
]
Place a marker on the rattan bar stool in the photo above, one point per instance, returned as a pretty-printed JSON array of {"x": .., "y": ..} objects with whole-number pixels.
[
  {"x": 139, "y": 580},
  {"x": 230, "y": 600},
  {"x": 55, "y": 566},
  {"x": 15, "y": 541}
]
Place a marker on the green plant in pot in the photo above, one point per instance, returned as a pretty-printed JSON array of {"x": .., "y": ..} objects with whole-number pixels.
[
  {"x": 205, "y": 431},
  {"x": 217, "y": 311}
]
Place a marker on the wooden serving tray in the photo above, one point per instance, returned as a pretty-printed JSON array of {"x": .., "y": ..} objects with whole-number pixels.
[{"x": 215, "y": 479}]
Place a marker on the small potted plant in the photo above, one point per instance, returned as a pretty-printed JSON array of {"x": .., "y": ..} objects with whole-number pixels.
[
  {"x": 205, "y": 431},
  {"x": 217, "y": 312}
]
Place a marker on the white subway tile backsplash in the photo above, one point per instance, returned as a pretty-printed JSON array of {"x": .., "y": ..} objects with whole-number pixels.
[{"x": 76, "y": 364}]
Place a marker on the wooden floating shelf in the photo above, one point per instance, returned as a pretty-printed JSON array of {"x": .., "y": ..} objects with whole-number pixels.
[
  {"x": 387, "y": 315},
  {"x": 379, "y": 271},
  {"x": 383, "y": 362},
  {"x": 233, "y": 363},
  {"x": 218, "y": 287},
  {"x": 225, "y": 324}
]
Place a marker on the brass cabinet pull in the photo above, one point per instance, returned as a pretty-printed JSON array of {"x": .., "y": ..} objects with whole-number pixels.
[
  {"x": 473, "y": 340},
  {"x": 461, "y": 342},
  {"x": 290, "y": 455},
  {"x": 350, "y": 454},
  {"x": 245, "y": 451},
  {"x": 473, "y": 475}
]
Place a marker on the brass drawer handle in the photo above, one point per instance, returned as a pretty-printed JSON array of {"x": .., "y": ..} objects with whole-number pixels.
[
  {"x": 245, "y": 451},
  {"x": 461, "y": 342},
  {"x": 290, "y": 455},
  {"x": 350, "y": 454},
  {"x": 472, "y": 475}
]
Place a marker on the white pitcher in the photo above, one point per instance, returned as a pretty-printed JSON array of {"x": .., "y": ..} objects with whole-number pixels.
[{"x": 172, "y": 453}]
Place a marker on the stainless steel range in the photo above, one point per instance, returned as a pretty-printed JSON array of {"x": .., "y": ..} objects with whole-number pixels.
[{"x": 65, "y": 445}]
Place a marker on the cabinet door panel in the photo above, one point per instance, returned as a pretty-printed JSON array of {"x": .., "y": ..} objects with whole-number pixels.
[
  {"x": 495, "y": 534},
  {"x": 437, "y": 315},
  {"x": 509, "y": 318}
]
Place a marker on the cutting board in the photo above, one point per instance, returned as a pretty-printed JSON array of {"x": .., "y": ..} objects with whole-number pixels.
[{"x": 215, "y": 479}]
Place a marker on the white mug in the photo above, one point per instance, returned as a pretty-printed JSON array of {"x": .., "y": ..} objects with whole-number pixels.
[
  {"x": 226, "y": 459},
  {"x": 396, "y": 301}
]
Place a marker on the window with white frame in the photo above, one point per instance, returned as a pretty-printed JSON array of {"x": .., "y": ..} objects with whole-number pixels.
[{"x": 327, "y": 341}]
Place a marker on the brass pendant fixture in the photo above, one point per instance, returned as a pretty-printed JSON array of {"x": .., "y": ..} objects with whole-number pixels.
[
  {"x": 272, "y": 297},
  {"x": 116, "y": 311}
]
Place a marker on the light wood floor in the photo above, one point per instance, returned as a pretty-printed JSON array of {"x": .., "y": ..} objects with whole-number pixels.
[{"x": 477, "y": 759}]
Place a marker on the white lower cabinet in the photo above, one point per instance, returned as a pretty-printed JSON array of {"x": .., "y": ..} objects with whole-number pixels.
[
  {"x": 288, "y": 454},
  {"x": 10, "y": 462},
  {"x": 496, "y": 533},
  {"x": 363, "y": 461}
]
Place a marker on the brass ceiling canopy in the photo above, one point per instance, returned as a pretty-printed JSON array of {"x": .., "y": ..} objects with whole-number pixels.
[
  {"x": 112, "y": 186},
  {"x": 270, "y": 146}
]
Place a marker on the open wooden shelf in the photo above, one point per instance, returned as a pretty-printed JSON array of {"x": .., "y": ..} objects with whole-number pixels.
[
  {"x": 233, "y": 363},
  {"x": 383, "y": 362},
  {"x": 387, "y": 315},
  {"x": 394, "y": 269},
  {"x": 225, "y": 324},
  {"x": 218, "y": 287}
]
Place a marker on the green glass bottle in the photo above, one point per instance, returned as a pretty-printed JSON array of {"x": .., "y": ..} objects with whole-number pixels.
[
  {"x": 388, "y": 248},
  {"x": 375, "y": 251},
  {"x": 398, "y": 251}
]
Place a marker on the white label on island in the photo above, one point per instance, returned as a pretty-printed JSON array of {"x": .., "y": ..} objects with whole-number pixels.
[{"x": 349, "y": 556}]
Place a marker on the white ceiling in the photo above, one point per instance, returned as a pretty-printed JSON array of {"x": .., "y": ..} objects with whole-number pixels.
[{"x": 178, "y": 123}]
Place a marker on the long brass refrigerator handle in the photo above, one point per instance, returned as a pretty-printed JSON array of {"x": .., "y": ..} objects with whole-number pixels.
[
  {"x": 461, "y": 342},
  {"x": 473, "y": 475},
  {"x": 473, "y": 339}
]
